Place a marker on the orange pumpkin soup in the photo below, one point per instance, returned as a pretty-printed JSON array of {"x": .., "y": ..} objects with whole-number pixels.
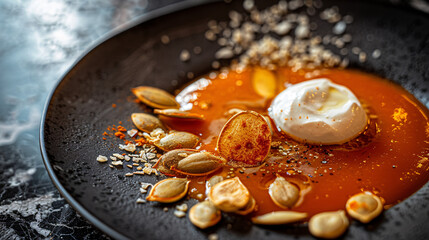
[{"x": 390, "y": 158}]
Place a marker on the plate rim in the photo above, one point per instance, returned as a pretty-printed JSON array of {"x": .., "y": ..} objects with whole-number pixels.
[{"x": 105, "y": 228}]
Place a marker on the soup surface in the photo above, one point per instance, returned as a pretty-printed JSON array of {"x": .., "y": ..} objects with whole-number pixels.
[{"x": 390, "y": 158}]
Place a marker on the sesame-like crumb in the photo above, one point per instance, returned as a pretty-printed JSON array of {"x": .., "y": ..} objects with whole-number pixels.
[
  {"x": 145, "y": 185},
  {"x": 179, "y": 214},
  {"x": 213, "y": 236},
  {"x": 119, "y": 156},
  {"x": 101, "y": 159},
  {"x": 165, "y": 39},
  {"x": 182, "y": 207},
  {"x": 376, "y": 53},
  {"x": 185, "y": 55}
]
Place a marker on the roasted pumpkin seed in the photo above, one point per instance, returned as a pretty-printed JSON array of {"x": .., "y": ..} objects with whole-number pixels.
[
  {"x": 279, "y": 217},
  {"x": 155, "y": 97},
  {"x": 176, "y": 140},
  {"x": 175, "y": 113},
  {"x": 166, "y": 171},
  {"x": 250, "y": 207},
  {"x": 204, "y": 214},
  {"x": 169, "y": 190},
  {"x": 283, "y": 193},
  {"x": 201, "y": 163},
  {"x": 245, "y": 140},
  {"x": 264, "y": 82},
  {"x": 364, "y": 206},
  {"x": 230, "y": 195},
  {"x": 328, "y": 224},
  {"x": 170, "y": 159},
  {"x": 146, "y": 122}
]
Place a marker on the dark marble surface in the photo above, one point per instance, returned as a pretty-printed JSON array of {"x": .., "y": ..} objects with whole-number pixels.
[{"x": 39, "y": 41}]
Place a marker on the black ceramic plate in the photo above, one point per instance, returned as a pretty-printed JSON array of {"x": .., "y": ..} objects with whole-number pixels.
[{"x": 80, "y": 109}]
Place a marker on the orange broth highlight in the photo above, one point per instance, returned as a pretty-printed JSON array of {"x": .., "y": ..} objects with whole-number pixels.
[{"x": 390, "y": 161}]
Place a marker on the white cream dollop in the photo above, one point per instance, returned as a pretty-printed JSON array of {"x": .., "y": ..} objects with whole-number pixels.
[{"x": 319, "y": 112}]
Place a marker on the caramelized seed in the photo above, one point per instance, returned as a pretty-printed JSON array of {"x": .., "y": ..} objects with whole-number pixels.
[
  {"x": 328, "y": 224},
  {"x": 146, "y": 122},
  {"x": 169, "y": 190},
  {"x": 200, "y": 163},
  {"x": 229, "y": 195},
  {"x": 155, "y": 97},
  {"x": 176, "y": 140},
  {"x": 279, "y": 217},
  {"x": 245, "y": 140},
  {"x": 175, "y": 113},
  {"x": 364, "y": 206},
  {"x": 283, "y": 193},
  {"x": 250, "y": 207},
  {"x": 204, "y": 215},
  {"x": 264, "y": 82}
]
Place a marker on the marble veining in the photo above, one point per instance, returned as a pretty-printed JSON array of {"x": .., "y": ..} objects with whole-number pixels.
[{"x": 39, "y": 41}]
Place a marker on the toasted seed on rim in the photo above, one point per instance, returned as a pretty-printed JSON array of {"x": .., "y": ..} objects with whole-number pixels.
[
  {"x": 176, "y": 140},
  {"x": 230, "y": 195},
  {"x": 264, "y": 82},
  {"x": 279, "y": 217},
  {"x": 166, "y": 171},
  {"x": 146, "y": 122},
  {"x": 204, "y": 214},
  {"x": 328, "y": 224},
  {"x": 250, "y": 207},
  {"x": 171, "y": 158},
  {"x": 364, "y": 206},
  {"x": 283, "y": 193},
  {"x": 175, "y": 113},
  {"x": 200, "y": 163},
  {"x": 169, "y": 190},
  {"x": 245, "y": 140},
  {"x": 155, "y": 97}
]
